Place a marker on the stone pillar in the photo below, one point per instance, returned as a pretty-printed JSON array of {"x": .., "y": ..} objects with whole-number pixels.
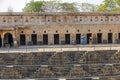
[
  {"x": 50, "y": 39},
  {"x": 15, "y": 43},
  {"x": 39, "y": 39},
  {"x": 94, "y": 38},
  {"x": 2, "y": 37},
  {"x": 104, "y": 38},
  {"x": 28, "y": 39},
  {"x": 62, "y": 38},
  {"x": 73, "y": 38},
  {"x": 15, "y": 38},
  {"x": 115, "y": 38}
]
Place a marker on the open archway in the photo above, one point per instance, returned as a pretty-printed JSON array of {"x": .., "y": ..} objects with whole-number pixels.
[{"x": 8, "y": 39}]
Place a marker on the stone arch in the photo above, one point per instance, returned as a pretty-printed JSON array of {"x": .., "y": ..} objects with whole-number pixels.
[{"x": 8, "y": 39}]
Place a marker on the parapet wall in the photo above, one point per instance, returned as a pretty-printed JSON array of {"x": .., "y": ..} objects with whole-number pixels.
[{"x": 21, "y": 19}]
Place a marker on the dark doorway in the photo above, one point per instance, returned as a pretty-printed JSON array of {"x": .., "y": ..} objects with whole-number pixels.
[
  {"x": 67, "y": 38},
  {"x": 88, "y": 37},
  {"x": 78, "y": 38},
  {"x": 0, "y": 41},
  {"x": 56, "y": 38},
  {"x": 34, "y": 39},
  {"x": 99, "y": 38},
  {"x": 8, "y": 39},
  {"x": 109, "y": 37},
  {"x": 22, "y": 39},
  {"x": 45, "y": 39},
  {"x": 119, "y": 36}
]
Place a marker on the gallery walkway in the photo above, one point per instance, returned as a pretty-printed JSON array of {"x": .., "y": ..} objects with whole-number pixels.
[{"x": 59, "y": 48}]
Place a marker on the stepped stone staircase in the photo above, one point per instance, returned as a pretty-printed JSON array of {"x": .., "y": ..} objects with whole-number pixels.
[{"x": 67, "y": 65}]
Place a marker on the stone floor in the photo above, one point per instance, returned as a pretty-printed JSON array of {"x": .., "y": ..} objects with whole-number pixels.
[{"x": 60, "y": 48}]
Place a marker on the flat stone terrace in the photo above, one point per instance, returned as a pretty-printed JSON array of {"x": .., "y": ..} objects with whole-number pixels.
[
  {"x": 60, "y": 48},
  {"x": 60, "y": 13}
]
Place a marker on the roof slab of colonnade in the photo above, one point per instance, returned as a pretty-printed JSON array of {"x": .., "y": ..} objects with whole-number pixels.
[{"x": 59, "y": 13}]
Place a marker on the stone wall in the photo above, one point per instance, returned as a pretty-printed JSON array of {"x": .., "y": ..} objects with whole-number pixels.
[{"x": 61, "y": 23}]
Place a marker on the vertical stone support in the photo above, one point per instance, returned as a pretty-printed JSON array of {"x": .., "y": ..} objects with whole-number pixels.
[
  {"x": 2, "y": 36},
  {"x": 104, "y": 38},
  {"x": 28, "y": 39},
  {"x": 94, "y": 38},
  {"x": 39, "y": 37},
  {"x": 115, "y": 38},
  {"x": 62, "y": 38},
  {"x": 50, "y": 39},
  {"x": 73, "y": 38},
  {"x": 15, "y": 43}
]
